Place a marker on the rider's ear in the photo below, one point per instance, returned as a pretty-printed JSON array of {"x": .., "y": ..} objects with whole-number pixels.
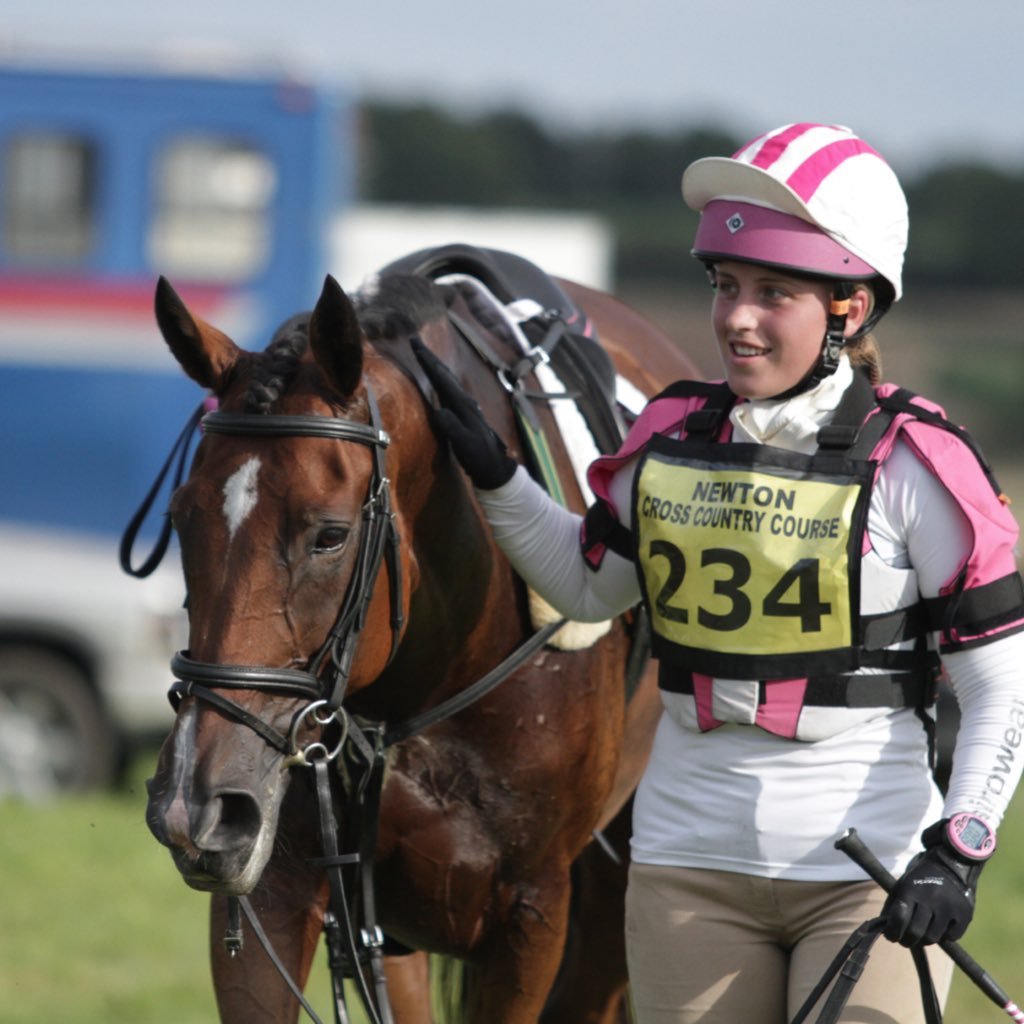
[
  {"x": 335, "y": 337},
  {"x": 861, "y": 305},
  {"x": 205, "y": 354}
]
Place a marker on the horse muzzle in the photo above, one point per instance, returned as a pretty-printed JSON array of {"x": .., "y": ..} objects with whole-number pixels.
[
  {"x": 220, "y": 844},
  {"x": 220, "y": 827}
]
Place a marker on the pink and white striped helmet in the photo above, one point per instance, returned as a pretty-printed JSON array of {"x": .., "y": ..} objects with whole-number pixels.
[{"x": 808, "y": 197}]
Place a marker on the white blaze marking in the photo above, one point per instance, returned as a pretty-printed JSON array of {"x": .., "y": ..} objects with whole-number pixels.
[{"x": 240, "y": 494}]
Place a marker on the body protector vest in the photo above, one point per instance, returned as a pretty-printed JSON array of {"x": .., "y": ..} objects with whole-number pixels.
[{"x": 767, "y": 605}]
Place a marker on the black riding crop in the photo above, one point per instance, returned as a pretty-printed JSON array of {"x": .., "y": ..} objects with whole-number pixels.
[{"x": 853, "y": 846}]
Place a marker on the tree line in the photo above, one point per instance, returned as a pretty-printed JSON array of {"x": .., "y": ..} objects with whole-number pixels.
[{"x": 967, "y": 219}]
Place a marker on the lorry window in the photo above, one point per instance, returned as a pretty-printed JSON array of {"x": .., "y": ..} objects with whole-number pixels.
[
  {"x": 49, "y": 212},
  {"x": 213, "y": 201}
]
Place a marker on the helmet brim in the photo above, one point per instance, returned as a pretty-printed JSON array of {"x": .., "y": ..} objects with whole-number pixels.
[{"x": 717, "y": 177}]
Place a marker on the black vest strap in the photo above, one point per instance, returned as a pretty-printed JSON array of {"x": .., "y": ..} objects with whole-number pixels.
[
  {"x": 854, "y": 432},
  {"x": 851, "y": 432},
  {"x": 857, "y": 401},
  {"x": 602, "y": 526},
  {"x": 705, "y": 424},
  {"x": 887, "y": 628},
  {"x": 979, "y": 609},
  {"x": 882, "y": 690},
  {"x": 903, "y": 690}
]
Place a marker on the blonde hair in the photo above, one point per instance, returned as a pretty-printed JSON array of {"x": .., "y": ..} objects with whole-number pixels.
[{"x": 864, "y": 351}]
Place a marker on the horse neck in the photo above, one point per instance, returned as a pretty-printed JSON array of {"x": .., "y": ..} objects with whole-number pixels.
[{"x": 465, "y": 608}]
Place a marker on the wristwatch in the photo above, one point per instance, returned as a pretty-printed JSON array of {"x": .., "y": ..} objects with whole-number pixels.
[{"x": 969, "y": 837}]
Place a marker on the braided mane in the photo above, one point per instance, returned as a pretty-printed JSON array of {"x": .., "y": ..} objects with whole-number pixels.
[{"x": 275, "y": 367}]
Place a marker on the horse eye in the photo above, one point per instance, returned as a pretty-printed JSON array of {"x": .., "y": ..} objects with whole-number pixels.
[{"x": 330, "y": 538}]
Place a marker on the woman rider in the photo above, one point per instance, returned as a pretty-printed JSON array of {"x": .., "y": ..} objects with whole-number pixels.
[{"x": 809, "y": 542}]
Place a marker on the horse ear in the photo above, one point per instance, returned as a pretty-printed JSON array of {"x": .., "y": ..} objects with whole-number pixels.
[
  {"x": 205, "y": 354},
  {"x": 336, "y": 338}
]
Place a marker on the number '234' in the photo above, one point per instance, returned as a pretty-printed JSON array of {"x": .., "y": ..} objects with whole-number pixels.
[{"x": 795, "y": 594}]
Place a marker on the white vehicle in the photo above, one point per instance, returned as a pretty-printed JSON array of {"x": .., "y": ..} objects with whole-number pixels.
[
  {"x": 110, "y": 177},
  {"x": 84, "y": 660}
]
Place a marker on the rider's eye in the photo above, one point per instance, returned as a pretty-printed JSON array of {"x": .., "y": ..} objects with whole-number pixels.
[{"x": 331, "y": 538}]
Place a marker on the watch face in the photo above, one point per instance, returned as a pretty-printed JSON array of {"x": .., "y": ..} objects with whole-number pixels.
[
  {"x": 970, "y": 836},
  {"x": 974, "y": 834}
]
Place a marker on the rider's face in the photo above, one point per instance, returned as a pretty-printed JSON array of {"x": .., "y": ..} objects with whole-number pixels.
[{"x": 770, "y": 326}]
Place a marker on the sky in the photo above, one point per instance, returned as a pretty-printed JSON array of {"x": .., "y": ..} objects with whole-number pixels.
[{"x": 923, "y": 81}]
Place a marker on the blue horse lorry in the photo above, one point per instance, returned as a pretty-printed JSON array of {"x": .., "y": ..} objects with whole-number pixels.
[
  {"x": 240, "y": 189},
  {"x": 224, "y": 184}
]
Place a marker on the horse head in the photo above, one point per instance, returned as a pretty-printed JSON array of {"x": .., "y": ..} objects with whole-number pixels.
[{"x": 282, "y": 523}]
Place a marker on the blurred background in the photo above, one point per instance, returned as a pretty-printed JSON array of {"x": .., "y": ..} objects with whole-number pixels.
[{"x": 244, "y": 150}]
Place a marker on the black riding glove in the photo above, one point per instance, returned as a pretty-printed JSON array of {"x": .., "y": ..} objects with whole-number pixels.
[
  {"x": 480, "y": 451},
  {"x": 934, "y": 898}
]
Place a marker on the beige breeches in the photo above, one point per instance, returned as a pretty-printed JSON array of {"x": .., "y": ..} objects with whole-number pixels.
[{"x": 716, "y": 947}]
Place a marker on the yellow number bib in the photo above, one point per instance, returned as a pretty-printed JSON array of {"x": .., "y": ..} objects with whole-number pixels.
[{"x": 751, "y": 561}]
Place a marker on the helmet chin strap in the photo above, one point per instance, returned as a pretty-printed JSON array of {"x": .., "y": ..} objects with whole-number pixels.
[{"x": 831, "y": 347}]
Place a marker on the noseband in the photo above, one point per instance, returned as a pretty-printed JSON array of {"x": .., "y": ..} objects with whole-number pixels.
[{"x": 325, "y": 681}]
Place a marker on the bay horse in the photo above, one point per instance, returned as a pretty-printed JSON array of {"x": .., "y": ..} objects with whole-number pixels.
[{"x": 319, "y": 467}]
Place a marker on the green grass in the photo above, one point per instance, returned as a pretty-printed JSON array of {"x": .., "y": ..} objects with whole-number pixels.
[{"x": 96, "y": 926}]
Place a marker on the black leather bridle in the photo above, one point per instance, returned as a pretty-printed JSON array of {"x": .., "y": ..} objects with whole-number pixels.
[{"x": 325, "y": 681}]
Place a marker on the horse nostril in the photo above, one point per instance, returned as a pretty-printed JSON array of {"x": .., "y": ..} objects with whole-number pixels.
[{"x": 229, "y": 820}]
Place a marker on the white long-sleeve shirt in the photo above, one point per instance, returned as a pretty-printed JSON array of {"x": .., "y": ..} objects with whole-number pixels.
[{"x": 741, "y": 799}]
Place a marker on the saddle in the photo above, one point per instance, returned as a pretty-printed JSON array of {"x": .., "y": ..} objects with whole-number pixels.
[
  {"x": 508, "y": 276},
  {"x": 561, "y": 329}
]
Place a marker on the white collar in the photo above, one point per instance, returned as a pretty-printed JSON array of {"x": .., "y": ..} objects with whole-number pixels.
[{"x": 792, "y": 424}]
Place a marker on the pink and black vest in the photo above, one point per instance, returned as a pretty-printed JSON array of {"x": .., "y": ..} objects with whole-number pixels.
[{"x": 750, "y": 559}]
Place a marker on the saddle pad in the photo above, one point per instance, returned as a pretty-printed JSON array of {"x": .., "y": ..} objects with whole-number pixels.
[{"x": 571, "y": 424}]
